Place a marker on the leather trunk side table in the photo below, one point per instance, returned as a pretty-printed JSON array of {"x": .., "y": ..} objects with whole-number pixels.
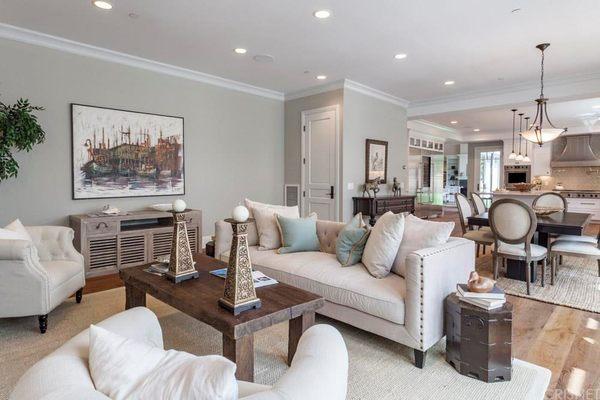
[{"x": 478, "y": 341}]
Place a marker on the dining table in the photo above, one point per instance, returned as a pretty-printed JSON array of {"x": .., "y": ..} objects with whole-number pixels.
[{"x": 558, "y": 223}]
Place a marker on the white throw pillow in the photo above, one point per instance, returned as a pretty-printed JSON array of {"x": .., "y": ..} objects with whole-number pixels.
[
  {"x": 269, "y": 237},
  {"x": 15, "y": 231},
  {"x": 383, "y": 243},
  {"x": 123, "y": 368},
  {"x": 420, "y": 234}
]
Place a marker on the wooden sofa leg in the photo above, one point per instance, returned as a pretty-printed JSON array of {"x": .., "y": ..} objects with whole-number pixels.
[
  {"x": 420, "y": 358},
  {"x": 79, "y": 295},
  {"x": 43, "y": 321}
]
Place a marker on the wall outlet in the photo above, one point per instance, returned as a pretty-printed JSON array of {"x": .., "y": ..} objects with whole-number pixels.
[{"x": 350, "y": 185}]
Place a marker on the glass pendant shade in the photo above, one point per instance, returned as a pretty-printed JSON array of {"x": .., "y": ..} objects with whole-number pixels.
[
  {"x": 519, "y": 158},
  {"x": 526, "y": 159},
  {"x": 542, "y": 135},
  {"x": 512, "y": 156}
]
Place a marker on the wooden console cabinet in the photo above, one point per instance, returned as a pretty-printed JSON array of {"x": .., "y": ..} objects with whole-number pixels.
[
  {"x": 110, "y": 243},
  {"x": 376, "y": 206}
]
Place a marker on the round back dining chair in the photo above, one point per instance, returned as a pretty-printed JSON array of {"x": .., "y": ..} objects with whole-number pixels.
[
  {"x": 550, "y": 199},
  {"x": 513, "y": 224},
  {"x": 464, "y": 210},
  {"x": 480, "y": 207}
]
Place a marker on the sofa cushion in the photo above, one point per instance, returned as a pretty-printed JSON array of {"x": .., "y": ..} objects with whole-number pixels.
[
  {"x": 420, "y": 234},
  {"x": 269, "y": 237},
  {"x": 15, "y": 231},
  {"x": 328, "y": 232},
  {"x": 322, "y": 274},
  {"x": 383, "y": 244},
  {"x": 298, "y": 234},
  {"x": 351, "y": 242}
]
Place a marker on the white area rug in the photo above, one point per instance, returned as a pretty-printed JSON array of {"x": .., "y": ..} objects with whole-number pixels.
[{"x": 379, "y": 368}]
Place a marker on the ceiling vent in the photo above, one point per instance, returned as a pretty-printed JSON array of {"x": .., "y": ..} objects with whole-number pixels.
[{"x": 576, "y": 151}]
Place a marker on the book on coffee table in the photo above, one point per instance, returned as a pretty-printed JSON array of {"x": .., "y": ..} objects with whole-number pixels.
[
  {"x": 258, "y": 277},
  {"x": 482, "y": 303}
]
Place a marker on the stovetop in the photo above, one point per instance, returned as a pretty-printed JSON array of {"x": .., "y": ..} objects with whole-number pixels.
[{"x": 584, "y": 193}]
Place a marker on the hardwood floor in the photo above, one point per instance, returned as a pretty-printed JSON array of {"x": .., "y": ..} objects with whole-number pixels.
[{"x": 562, "y": 339}]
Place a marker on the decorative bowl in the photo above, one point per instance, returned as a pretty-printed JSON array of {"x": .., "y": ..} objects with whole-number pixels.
[
  {"x": 162, "y": 207},
  {"x": 523, "y": 187},
  {"x": 546, "y": 210}
]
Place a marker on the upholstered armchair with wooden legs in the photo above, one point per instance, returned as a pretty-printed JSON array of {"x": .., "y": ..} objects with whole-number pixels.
[
  {"x": 587, "y": 247},
  {"x": 480, "y": 207},
  {"x": 482, "y": 237},
  {"x": 513, "y": 224},
  {"x": 36, "y": 276}
]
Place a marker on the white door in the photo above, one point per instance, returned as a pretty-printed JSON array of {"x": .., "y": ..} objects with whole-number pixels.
[
  {"x": 488, "y": 169},
  {"x": 320, "y": 163}
]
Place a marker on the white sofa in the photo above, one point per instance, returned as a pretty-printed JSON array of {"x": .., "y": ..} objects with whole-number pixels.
[
  {"x": 35, "y": 277},
  {"x": 407, "y": 310},
  {"x": 319, "y": 370}
]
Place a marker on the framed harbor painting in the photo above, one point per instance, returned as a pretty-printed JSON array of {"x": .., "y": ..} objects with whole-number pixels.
[
  {"x": 376, "y": 160},
  {"x": 118, "y": 153}
]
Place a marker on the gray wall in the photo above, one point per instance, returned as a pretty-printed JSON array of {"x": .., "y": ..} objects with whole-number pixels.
[
  {"x": 366, "y": 117},
  {"x": 233, "y": 141}
]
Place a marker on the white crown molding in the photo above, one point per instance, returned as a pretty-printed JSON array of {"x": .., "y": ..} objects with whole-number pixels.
[
  {"x": 350, "y": 85},
  {"x": 328, "y": 87},
  {"x": 378, "y": 94},
  {"x": 58, "y": 43},
  {"x": 572, "y": 87}
]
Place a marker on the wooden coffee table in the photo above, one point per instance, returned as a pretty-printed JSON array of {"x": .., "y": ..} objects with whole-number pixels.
[{"x": 198, "y": 299}]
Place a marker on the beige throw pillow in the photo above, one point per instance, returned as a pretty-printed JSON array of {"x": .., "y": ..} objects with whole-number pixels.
[
  {"x": 420, "y": 234},
  {"x": 269, "y": 237},
  {"x": 383, "y": 243}
]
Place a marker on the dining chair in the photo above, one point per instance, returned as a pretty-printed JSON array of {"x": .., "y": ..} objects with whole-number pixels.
[
  {"x": 513, "y": 224},
  {"x": 551, "y": 199},
  {"x": 482, "y": 237},
  {"x": 582, "y": 249},
  {"x": 480, "y": 207}
]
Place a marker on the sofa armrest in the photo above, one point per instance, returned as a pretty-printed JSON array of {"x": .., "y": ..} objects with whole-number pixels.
[
  {"x": 17, "y": 250},
  {"x": 319, "y": 370},
  {"x": 431, "y": 275},
  {"x": 55, "y": 243},
  {"x": 223, "y": 236}
]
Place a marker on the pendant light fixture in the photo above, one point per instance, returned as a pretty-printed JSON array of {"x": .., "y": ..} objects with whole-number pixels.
[
  {"x": 526, "y": 159},
  {"x": 542, "y": 130},
  {"x": 519, "y": 157},
  {"x": 513, "y": 155}
]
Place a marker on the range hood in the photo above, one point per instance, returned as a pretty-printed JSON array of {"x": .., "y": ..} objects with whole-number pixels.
[{"x": 576, "y": 151}]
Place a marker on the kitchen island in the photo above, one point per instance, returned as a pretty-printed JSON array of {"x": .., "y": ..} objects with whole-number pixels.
[{"x": 526, "y": 197}]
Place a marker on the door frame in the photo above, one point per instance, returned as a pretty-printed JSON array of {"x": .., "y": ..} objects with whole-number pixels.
[
  {"x": 304, "y": 114},
  {"x": 476, "y": 162}
]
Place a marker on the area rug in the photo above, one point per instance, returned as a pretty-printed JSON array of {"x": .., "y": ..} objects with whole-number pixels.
[
  {"x": 577, "y": 284},
  {"x": 379, "y": 368}
]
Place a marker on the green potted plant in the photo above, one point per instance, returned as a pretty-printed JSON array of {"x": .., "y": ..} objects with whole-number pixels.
[{"x": 20, "y": 130}]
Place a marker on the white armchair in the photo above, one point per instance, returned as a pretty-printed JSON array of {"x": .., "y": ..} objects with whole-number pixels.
[
  {"x": 319, "y": 370},
  {"x": 35, "y": 277}
]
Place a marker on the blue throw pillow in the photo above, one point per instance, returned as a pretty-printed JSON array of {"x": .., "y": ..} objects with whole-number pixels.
[
  {"x": 298, "y": 234},
  {"x": 351, "y": 241}
]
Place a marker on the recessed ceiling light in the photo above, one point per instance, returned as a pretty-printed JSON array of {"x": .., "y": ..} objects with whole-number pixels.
[
  {"x": 240, "y": 50},
  {"x": 454, "y": 122},
  {"x": 263, "y": 58},
  {"x": 103, "y": 4},
  {"x": 597, "y": 106},
  {"x": 322, "y": 14},
  {"x": 400, "y": 56},
  {"x": 448, "y": 83},
  {"x": 476, "y": 130},
  {"x": 321, "y": 77}
]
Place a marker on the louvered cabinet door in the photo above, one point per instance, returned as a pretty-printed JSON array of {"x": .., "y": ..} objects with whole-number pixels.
[
  {"x": 161, "y": 244},
  {"x": 102, "y": 255},
  {"x": 193, "y": 238},
  {"x": 132, "y": 250}
]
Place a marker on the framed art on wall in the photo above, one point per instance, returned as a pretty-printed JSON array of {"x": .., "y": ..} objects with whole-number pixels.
[
  {"x": 376, "y": 160},
  {"x": 119, "y": 153}
]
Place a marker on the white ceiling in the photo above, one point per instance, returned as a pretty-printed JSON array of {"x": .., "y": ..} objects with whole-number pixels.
[
  {"x": 577, "y": 115},
  {"x": 479, "y": 44}
]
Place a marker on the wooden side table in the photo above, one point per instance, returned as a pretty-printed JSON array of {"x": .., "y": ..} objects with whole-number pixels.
[{"x": 479, "y": 342}]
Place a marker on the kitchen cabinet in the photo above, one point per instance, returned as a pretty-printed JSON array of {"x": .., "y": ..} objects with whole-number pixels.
[
  {"x": 590, "y": 206},
  {"x": 541, "y": 160}
]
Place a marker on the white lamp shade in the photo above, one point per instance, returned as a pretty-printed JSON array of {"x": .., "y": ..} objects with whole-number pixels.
[
  {"x": 545, "y": 135},
  {"x": 512, "y": 156},
  {"x": 526, "y": 159},
  {"x": 519, "y": 157}
]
